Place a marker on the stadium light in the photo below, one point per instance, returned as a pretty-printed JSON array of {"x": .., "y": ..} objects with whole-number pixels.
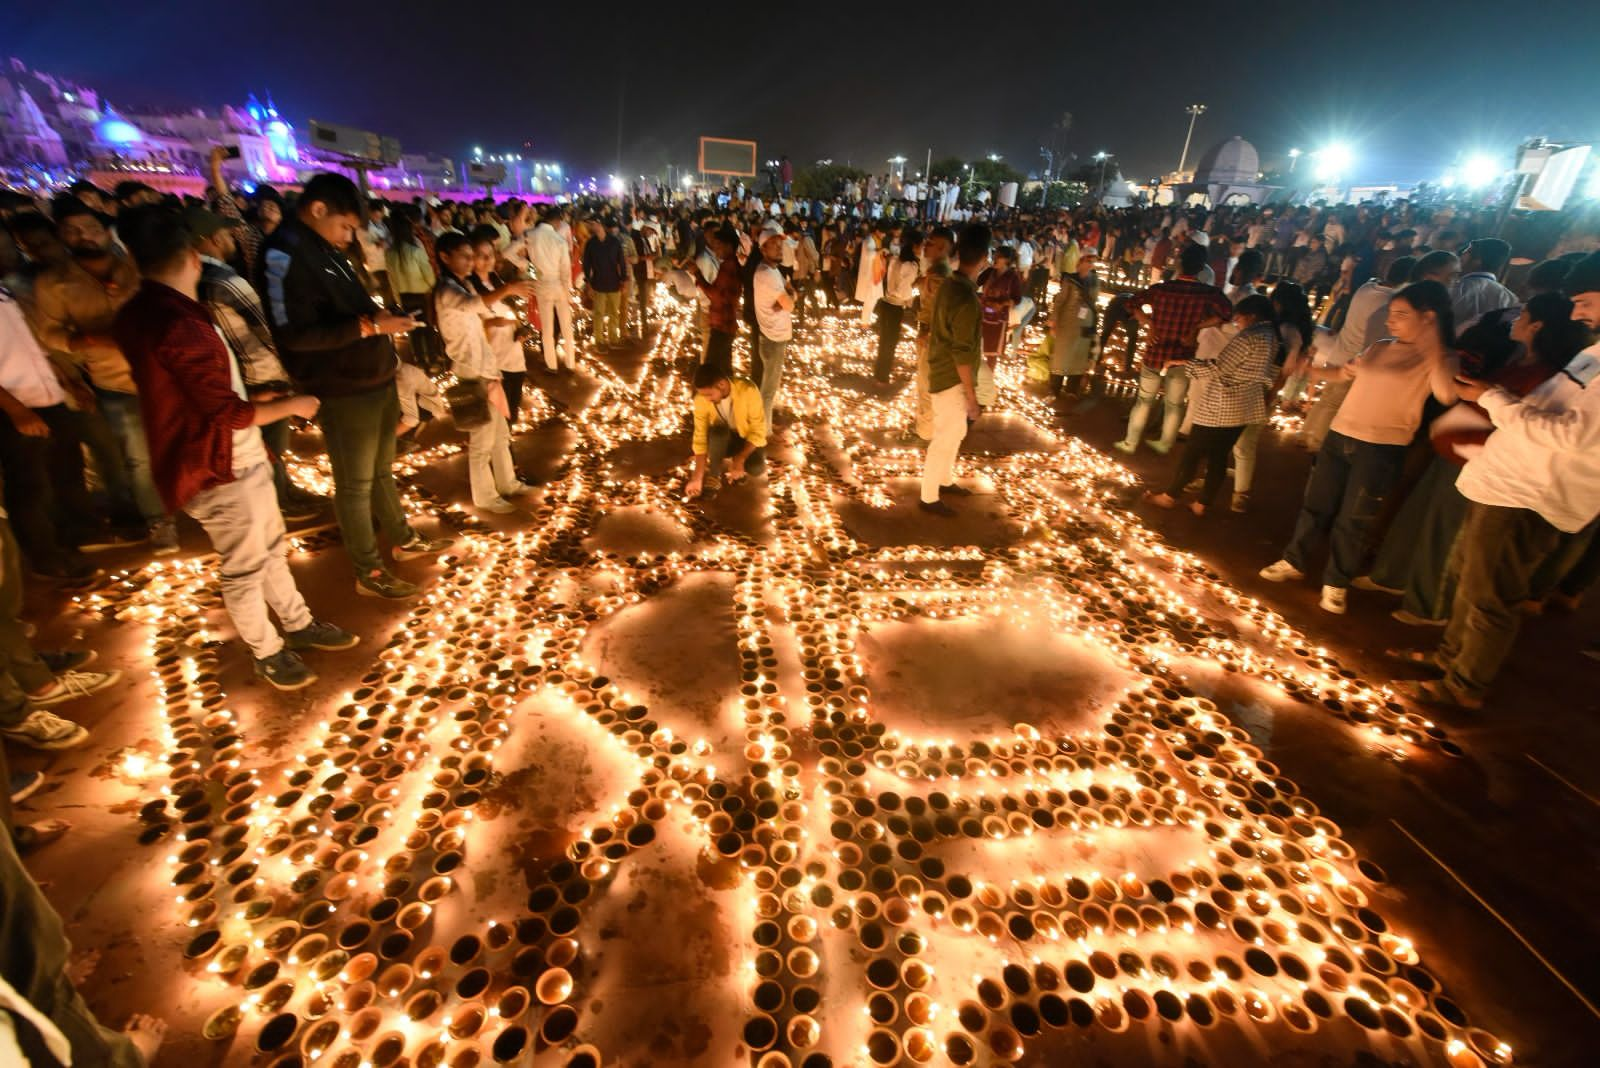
[
  {"x": 1333, "y": 161},
  {"x": 1479, "y": 170}
]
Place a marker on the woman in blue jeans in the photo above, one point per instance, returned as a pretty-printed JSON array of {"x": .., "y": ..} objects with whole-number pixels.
[{"x": 1362, "y": 457}]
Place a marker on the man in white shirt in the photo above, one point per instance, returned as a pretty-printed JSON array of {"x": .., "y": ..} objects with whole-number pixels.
[
  {"x": 42, "y": 456},
  {"x": 1479, "y": 289},
  {"x": 774, "y": 305},
  {"x": 550, "y": 256},
  {"x": 1537, "y": 477}
]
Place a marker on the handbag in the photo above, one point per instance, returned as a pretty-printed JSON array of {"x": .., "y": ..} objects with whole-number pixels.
[{"x": 469, "y": 403}]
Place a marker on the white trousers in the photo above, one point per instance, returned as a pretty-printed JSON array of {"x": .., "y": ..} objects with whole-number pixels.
[
  {"x": 555, "y": 304},
  {"x": 490, "y": 471},
  {"x": 949, "y": 428},
  {"x": 245, "y": 527}
]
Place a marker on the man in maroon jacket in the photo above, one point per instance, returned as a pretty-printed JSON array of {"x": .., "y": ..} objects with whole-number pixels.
[{"x": 206, "y": 452}]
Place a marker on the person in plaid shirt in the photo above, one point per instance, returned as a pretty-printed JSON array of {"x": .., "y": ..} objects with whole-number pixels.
[
  {"x": 723, "y": 291},
  {"x": 1177, "y": 311},
  {"x": 1236, "y": 398}
]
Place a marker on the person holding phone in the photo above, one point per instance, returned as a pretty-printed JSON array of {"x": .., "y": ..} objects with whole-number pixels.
[{"x": 339, "y": 347}]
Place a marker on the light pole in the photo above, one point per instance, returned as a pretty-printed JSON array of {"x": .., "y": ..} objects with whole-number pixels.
[
  {"x": 1195, "y": 111},
  {"x": 1100, "y": 191},
  {"x": 1294, "y": 157}
]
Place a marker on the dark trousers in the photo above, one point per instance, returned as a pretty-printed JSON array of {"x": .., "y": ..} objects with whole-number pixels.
[
  {"x": 890, "y": 316},
  {"x": 511, "y": 382},
  {"x": 358, "y": 431},
  {"x": 758, "y": 366},
  {"x": 44, "y": 489},
  {"x": 276, "y": 437},
  {"x": 1500, "y": 550},
  {"x": 1417, "y": 551},
  {"x": 106, "y": 456},
  {"x": 719, "y": 350},
  {"x": 1572, "y": 567},
  {"x": 1212, "y": 446},
  {"x": 1349, "y": 482}
]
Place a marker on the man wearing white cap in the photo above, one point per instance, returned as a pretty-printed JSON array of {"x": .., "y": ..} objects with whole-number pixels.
[{"x": 774, "y": 306}]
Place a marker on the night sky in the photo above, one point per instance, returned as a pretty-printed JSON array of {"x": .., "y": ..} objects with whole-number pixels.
[{"x": 1410, "y": 87}]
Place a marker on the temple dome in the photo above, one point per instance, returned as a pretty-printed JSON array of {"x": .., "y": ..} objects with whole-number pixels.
[{"x": 1229, "y": 162}]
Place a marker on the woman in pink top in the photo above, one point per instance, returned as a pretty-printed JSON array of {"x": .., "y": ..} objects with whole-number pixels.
[{"x": 1361, "y": 459}]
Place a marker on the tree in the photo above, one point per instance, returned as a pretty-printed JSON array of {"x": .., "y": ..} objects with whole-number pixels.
[
  {"x": 949, "y": 168},
  {"x": 988, "y": 173},
  {"x": 821, "y": 181},
  {"x": 1056, "y": 142}
]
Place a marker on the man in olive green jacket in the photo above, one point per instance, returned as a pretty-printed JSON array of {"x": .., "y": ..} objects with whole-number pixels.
[{"x": 954, "y": 348}]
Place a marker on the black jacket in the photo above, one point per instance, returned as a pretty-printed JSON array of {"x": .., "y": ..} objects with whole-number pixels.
[{"x": 315, "y": 303}]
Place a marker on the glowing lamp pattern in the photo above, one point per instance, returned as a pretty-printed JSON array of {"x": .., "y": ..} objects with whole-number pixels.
[{"x": 1153, "y": 870}]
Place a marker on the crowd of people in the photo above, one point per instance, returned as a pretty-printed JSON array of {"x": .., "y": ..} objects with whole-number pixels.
[{"x": 157, "y": 354}]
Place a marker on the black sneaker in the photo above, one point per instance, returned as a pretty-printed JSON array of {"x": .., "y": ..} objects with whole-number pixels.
[
  {"x": 74, "y": 573},
  {"x": 285, "y": 670},
  {"x": 938, "y": 508},
  {"x": 105, "y": 540},
  {"x": 302, "y": 506},
  {"x": 61, "y": 661},
  {"x": 419, "y": 545},
  {"x": 954, "y": 490},
  {"x": 320, "y": 635},
  {"x": 379, "y": 583}
]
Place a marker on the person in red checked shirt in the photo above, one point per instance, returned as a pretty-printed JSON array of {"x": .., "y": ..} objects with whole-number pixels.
[
  {"x": 1175, "y": 312},
  {"x": 206, "y": 452}
]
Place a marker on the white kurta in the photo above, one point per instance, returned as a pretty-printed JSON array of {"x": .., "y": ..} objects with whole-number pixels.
[{"x": 867, "y": 290}]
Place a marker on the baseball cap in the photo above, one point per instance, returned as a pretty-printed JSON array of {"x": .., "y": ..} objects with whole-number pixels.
[{"x": 203, "y": 222}]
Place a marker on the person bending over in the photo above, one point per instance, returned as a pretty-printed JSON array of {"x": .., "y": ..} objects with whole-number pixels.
[{"x": 730, "y": 425}]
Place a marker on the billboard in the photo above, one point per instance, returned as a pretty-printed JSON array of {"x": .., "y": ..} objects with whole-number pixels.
[
  {"x": 1554, "y": 171},
  {"x": 720, "y": 155},
  {"x": 357, "y": 144},
  {"x": 486, "y": 173}
]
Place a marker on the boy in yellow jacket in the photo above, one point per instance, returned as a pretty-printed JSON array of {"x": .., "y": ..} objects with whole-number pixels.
[{"x": 730, "y": 426}]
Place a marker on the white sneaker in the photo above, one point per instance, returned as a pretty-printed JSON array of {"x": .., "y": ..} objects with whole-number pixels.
[
  {"x": 1333, "y": 600},
  {"x": 1282, "y": 571},
  {"x": 71, "y": 685},
  {"x": 46, "y": 730},
  {"x": 501, "y": 507}
]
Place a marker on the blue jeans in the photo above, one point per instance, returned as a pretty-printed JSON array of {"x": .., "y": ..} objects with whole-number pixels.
[
  {"x": 1344, "y": 496},
  {"x": 772, "y": 354},
  {"x": 121, "y": 411}
]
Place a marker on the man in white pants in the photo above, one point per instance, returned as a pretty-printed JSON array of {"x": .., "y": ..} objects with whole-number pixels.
[
  {"x": 955, "y": 348},
  {"x": 551, "y": 259},
  {"x": 206, "y": 452}
]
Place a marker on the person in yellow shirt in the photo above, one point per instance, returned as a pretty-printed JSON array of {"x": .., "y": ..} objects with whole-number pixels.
[{"x": 730, "y": 427}]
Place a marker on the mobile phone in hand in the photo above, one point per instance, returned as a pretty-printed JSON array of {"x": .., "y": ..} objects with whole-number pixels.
[{"x": 230, "y": 151}]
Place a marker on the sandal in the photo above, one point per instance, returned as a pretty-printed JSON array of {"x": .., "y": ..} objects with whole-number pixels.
[
  {"x": 32, "y": 837},
  {"x": 1420, "y": 658},
  {"x": 1436, "y": 692}
]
